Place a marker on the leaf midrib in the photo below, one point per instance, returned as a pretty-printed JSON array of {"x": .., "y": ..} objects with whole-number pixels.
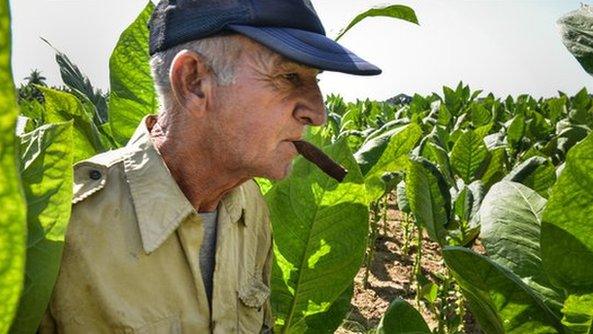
[{"x": 301, "y": 266}]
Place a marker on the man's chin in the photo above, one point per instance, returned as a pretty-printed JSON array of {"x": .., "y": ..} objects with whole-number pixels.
[{"x": 279, "y": 174}]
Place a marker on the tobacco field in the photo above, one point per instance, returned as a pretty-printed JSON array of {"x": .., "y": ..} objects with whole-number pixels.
[{"x": 501, "y": 187}]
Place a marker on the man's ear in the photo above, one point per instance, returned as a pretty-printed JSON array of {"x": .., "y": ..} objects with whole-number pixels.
[{"x": 191, "y": 82}]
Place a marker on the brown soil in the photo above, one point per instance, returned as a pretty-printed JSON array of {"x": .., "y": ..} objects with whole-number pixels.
[{"x": 391, "y": 277}]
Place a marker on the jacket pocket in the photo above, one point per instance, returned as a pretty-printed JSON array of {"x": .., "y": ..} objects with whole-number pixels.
[{"x": 252, "y": 297}]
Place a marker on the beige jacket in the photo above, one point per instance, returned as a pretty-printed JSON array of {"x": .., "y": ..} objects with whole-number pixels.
[{"x": 130, "y": 262}]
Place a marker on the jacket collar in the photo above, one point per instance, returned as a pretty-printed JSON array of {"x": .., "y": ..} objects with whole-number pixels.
[{"x": 159, "y": 204}]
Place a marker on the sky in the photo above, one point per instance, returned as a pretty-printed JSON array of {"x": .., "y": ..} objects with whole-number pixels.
[{"x": 499, "y": 46}]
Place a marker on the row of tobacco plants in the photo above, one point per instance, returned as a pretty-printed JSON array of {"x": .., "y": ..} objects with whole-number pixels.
[{"x": 515, "y": 173}]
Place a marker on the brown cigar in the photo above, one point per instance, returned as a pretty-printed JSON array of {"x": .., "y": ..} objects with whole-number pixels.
[{"x": 325, "y": 163}]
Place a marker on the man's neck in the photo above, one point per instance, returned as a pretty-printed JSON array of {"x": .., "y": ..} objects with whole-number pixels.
[{"x": 199, "y": 174}]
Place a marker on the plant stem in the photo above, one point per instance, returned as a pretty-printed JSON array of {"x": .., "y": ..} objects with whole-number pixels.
[
  {"x": 407, "y": 224},
  {"x": 371, "y": 244},
  {"x": 418, "y": 264},
  {"x": 385, "y": 204}
]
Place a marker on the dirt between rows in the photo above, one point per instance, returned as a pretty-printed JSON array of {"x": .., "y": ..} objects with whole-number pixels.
[{"x": 391, "y": 277}]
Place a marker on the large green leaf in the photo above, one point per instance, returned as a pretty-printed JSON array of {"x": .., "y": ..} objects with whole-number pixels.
[
  {"x": 497, "y": 298},
  {"x": 510, "y": 218},
  {"x": 132, "y": 90},
  {"x": 330, "y": 320},
  {"x": 402, "y": 318},
  {"x": 468, "y": 155},
  {"x": 47, "y": 180},
  {"x": 61, "y": 107},
  {"x": 510, "y": 227},
  {"x": 576, "y": 29},
  {"x": 320, "y": 238},
  {"x": 13, "y": 213},
  {"x": 394, "y": 11},
  {"x": 567, "y": 246},
  {"x": 428, "y": 197},
  {"x": 386, "y": 153}
]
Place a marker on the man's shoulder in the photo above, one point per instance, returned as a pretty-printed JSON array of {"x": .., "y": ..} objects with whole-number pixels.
[{"x": 91, "y": 175}]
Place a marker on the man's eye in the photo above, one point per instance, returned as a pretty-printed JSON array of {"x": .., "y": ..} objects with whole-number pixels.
[{"x": 293, "y": 78}]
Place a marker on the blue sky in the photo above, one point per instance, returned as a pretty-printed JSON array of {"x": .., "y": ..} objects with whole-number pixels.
[{"x": 504, "y": 47}]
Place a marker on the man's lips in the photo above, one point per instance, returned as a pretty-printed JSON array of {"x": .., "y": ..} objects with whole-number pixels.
[{"x": 296, "y": 138}]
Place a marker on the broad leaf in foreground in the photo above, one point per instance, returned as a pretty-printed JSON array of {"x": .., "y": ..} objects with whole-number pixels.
[
  {"x": 567, "y": 246},
  {"x": 394, "y": 11},
  {"x": 499, "y": 300},
  {"x": 330, "y": 320},
  {"x": 402, "y": 318},
  {"x": 47, "y": 180},
  {"x": 510, "y": 218},
  {"x": 132, "y": 92},
  {"x": 320, "y": 230},
  {"x": 13, "y": 214}
]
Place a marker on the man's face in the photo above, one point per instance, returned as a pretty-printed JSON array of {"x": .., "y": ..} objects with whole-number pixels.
[{"x": 267, "y": 107}]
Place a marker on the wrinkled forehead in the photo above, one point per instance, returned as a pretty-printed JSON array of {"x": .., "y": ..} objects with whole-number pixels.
[{"x": 272, "y": 60}]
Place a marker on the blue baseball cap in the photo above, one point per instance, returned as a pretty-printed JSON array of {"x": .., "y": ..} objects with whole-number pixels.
[{"x": 289, "y": 27}]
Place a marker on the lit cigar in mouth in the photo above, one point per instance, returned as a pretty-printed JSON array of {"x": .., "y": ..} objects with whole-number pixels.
[{"x": 320, "y": 159}]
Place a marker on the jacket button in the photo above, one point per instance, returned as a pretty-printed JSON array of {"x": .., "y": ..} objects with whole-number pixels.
[{"x": 95, "y": 174}]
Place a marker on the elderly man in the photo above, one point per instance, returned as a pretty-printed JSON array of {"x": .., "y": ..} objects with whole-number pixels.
[{"x": 170, "y": 234}]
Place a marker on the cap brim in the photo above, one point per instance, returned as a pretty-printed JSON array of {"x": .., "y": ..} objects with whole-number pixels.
[{"x": 308, "y": 48}]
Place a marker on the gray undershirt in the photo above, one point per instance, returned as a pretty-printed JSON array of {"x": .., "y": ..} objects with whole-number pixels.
[{"x": 208, "y": 250}]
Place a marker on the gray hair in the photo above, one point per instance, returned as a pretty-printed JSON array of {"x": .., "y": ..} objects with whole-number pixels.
[{"x": 219, "y": 52}]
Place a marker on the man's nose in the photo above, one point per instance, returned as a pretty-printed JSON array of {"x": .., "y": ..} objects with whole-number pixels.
[{"x": 311, "y": 110}]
